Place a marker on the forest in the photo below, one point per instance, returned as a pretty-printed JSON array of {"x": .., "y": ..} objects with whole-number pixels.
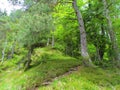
[{"x": 60, "y": 45}]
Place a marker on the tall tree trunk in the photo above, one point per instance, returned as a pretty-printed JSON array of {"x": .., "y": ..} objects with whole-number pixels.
[
  {"x": 111, "y": 32},
  {"x": 83, "y": 42},
  {"x": 98, "y": 54},
  {"x": 28, "y": 62},
  {"x": 53, "y": 39},
  {"x": 3, "y": 51},
  {"x": 48, "y": 41},
  {"x": 13, "y": 49}
]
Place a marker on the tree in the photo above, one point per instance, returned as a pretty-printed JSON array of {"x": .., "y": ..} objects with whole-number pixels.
[
  {"x": 35, "y": 25},
  {"x": 83, "y": 40},
  {"x": 111, "y": 32}
]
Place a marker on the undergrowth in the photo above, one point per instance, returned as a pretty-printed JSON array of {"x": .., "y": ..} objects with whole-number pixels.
[{"x": 46, "y": 64}]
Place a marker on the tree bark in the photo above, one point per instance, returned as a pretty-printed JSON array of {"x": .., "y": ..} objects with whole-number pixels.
[{"x": 83, "y": 41}]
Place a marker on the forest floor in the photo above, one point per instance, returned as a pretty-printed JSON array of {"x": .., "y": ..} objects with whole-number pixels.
[
  {"x": 56, "y": 71},
  {"x": 52, "y": 64},
  {"x": 86, "y": 78}
]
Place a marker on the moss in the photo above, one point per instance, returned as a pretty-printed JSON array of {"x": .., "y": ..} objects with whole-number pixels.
[
  {"x": 87, "y": 78},
  {"x": 55, "y": 64}
]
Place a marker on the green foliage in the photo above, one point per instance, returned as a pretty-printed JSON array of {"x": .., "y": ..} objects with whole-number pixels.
[
  {"x": 59, "y": 47},
  {"x": 42, "y": 19},
  {"x": 33, "y": 29},
  {"x": 14, "y": 62},
  {"x": 66, "y": 33}
]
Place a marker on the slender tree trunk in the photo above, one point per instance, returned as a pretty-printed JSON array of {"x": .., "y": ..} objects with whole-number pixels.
[
  {"x": 28, "y": 62},
  {"x": 13, "y": 49},
  {"x": 48, "y": 41},
  {"x": 3, "y": 51},
  {"x": 83, "y": 40},
  {"x": 98, "y": 54},
  {"x": 111, "y": 32},
  {"x": 53, "y": 39}
]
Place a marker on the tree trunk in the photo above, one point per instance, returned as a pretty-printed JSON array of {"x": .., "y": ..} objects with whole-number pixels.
[
  {"x": 27, "y": 63},
  {"x": 53, "y": 39},
  {"x": 98, "y": 54},
  {"x": 111, "y": 33},
  {"x": 48, "y": 41},
  {"x": 12, "y": 50},
  {"x": 3, "y": 51},
  {"x": 83, "y": 42}
]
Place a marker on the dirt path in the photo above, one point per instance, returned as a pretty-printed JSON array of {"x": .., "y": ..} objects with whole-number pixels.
[{"x": 46, "y": 83}]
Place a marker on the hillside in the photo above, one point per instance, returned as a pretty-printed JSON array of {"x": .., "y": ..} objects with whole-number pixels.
[
  {"x": 86, "y": 78},
  {"x": 51, "y": 64}
]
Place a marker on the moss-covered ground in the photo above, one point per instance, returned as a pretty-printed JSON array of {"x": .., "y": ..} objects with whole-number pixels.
[
  {"x": 49, "y": 63},
  {"x": 46, "y": 65},
  {"x": 87, "y": 78}
]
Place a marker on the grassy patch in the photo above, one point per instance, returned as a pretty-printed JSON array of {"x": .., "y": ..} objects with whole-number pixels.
[
  {"x": 55, "y": 64},
  {"x": 87, "y": 79}
]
